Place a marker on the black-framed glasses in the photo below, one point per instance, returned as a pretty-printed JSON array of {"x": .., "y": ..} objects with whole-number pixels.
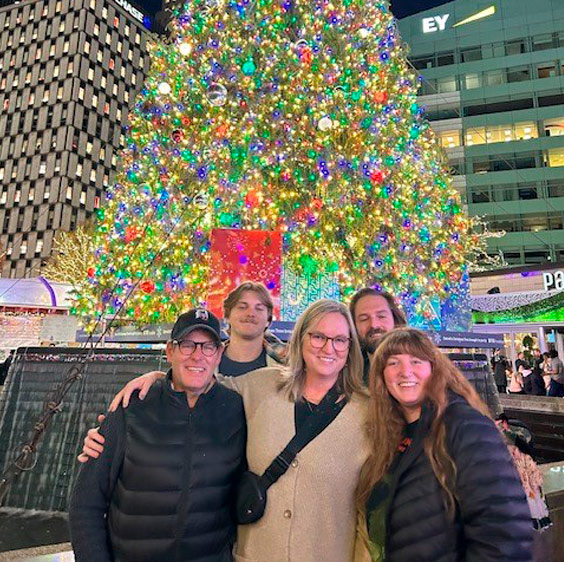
[
  {"x": 188, "y": 347},
  {"x": 318, "y": 341}
]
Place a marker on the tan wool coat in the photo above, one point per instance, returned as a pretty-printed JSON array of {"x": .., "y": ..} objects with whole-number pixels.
[{"x": 310, "y": 513}]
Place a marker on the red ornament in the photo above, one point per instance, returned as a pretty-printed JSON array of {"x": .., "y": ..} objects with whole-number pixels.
[
  {"x": 177, "y": 135},
  {"x": 377, "y": 176},
  {"x": 186, "y": 120},
  {"x": 147, "y": 286},
  {"x": 380, "y": 97},
  {"x": 91, "y": 271},
  {"x": 221, "y": 130},
  {"x": 305, "y": 55},
  {"x": 130, "y": 233},
  {"x": 251, "y": 199},
  {"x": 317, "y": 203}
]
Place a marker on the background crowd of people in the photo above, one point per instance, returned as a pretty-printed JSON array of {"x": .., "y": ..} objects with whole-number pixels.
[{"x": 541, "y": 374}]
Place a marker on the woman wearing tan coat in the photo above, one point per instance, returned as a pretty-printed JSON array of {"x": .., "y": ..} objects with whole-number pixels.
[{"x": 310, "y": 511}]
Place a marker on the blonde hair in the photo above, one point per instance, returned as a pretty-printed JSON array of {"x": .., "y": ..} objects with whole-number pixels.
[
  {"x": 386, "y": 421},
  {"x": 293, "y": 378}
]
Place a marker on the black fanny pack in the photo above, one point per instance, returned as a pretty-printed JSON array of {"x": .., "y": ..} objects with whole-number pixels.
[{"x": 250, "y": 502}]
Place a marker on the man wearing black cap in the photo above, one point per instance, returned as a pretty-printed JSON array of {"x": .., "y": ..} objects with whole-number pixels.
[{"x": 162, "y": 488}]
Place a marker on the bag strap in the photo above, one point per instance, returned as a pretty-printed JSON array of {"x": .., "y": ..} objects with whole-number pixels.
[{"x": 323, "y": 415}]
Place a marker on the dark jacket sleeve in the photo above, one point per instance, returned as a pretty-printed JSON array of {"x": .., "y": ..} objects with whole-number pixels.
[
  {"x": 494, "y": 511},
  {"x": 92, "y": 494}
]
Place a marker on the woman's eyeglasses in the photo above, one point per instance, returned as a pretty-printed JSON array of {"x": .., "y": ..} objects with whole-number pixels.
[{"x": 318, "y": 341}]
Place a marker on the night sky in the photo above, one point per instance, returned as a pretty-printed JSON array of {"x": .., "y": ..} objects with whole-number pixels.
[{"x": 400, "y": 8}]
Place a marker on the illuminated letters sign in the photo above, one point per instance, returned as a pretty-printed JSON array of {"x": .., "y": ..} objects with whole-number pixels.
[
  {"x": 553, "y": 280},
  {"x": 436, "y": 23},
  {"x": 130, "y": 9}
]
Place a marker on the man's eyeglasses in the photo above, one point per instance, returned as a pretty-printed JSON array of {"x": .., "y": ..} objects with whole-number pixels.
[
  {"x": 188, "y": 347},
  {"x": 318, "y": 341}
]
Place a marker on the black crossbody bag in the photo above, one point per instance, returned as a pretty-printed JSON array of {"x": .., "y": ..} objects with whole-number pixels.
[{"x": 251, "y": 492}]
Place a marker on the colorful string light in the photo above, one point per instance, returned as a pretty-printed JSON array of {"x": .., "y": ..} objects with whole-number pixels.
[{"x": 288, "y": 115}]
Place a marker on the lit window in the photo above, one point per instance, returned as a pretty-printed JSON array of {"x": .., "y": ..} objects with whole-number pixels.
[
  {"x": 42, "y": 168},
  {"x": 78, "y": 170},
  {"x": 554, "y": 127},
  {"x": 116, "y": 21},
  {"x": 17, "y": 196},
  {"x": 475, "y": 135},
  {"x": 91, "y": 74},
  {"x": 87, "y": 47},
  {"x": 556, "y": 157},
  {"x": 111, "y": 64},
  {"x": 69, "y": 188},
  {"x": 39, "y": 247},
  {"x": 449, "y": 139}
]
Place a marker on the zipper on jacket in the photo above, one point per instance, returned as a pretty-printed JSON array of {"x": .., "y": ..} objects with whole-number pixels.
[{"x": 182, "y": 511}]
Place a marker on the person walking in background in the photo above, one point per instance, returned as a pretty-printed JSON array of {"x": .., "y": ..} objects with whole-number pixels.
[
  {"x": 521, "y": 361},
  {"x": 439, "y": 484},
  {"x": 499, "y": 366},
  {"x": 546, "y": 369},
  {"x": 556, "y": 372},
  {"x": 537, "y": 386}
]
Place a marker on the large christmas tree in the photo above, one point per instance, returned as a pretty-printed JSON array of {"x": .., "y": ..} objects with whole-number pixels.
[{"x": 294, "y": 116}]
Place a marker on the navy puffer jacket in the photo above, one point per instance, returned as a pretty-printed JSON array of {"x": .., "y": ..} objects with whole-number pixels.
[{"x": 492, "y": 521}]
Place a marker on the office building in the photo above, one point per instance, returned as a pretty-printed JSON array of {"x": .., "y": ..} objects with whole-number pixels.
[
  {"x": 69, "y": 72},
  {"x": 493, "y": 85}
]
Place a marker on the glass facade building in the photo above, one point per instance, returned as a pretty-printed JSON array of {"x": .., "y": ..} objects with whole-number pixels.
[{"x": 493, "y": 86}]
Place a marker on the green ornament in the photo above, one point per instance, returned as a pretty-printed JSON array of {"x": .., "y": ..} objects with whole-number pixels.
[{"x": 249, "y": 67}]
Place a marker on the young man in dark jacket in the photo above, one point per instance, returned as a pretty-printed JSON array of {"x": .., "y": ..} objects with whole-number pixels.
[{"x": 163, "y": 487}]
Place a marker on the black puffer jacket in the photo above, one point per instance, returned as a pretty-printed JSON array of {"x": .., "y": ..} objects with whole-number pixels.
[
  {"x": 165, "y": 481},
  {"x": 492, "y": 522}
]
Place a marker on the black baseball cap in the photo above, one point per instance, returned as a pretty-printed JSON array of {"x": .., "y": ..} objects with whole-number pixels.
[{"x": 196, "y": 319}]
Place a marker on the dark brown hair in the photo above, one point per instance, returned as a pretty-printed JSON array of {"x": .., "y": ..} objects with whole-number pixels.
[{"x": 397, "y": 313}]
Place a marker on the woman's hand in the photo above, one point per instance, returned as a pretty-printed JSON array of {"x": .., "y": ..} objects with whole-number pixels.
[
  {"x": 93, "y": 443},
  {"x": 142, "y": 384}
]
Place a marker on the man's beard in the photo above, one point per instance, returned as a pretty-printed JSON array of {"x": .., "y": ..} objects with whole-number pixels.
[{"x": 368, "y": 343}]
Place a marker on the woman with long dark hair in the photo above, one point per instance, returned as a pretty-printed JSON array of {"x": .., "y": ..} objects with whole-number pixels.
[{"x": 439, "y": 484}]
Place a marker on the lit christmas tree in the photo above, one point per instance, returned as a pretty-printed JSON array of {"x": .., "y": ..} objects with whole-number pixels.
[{"x": 292, "y": 116}]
